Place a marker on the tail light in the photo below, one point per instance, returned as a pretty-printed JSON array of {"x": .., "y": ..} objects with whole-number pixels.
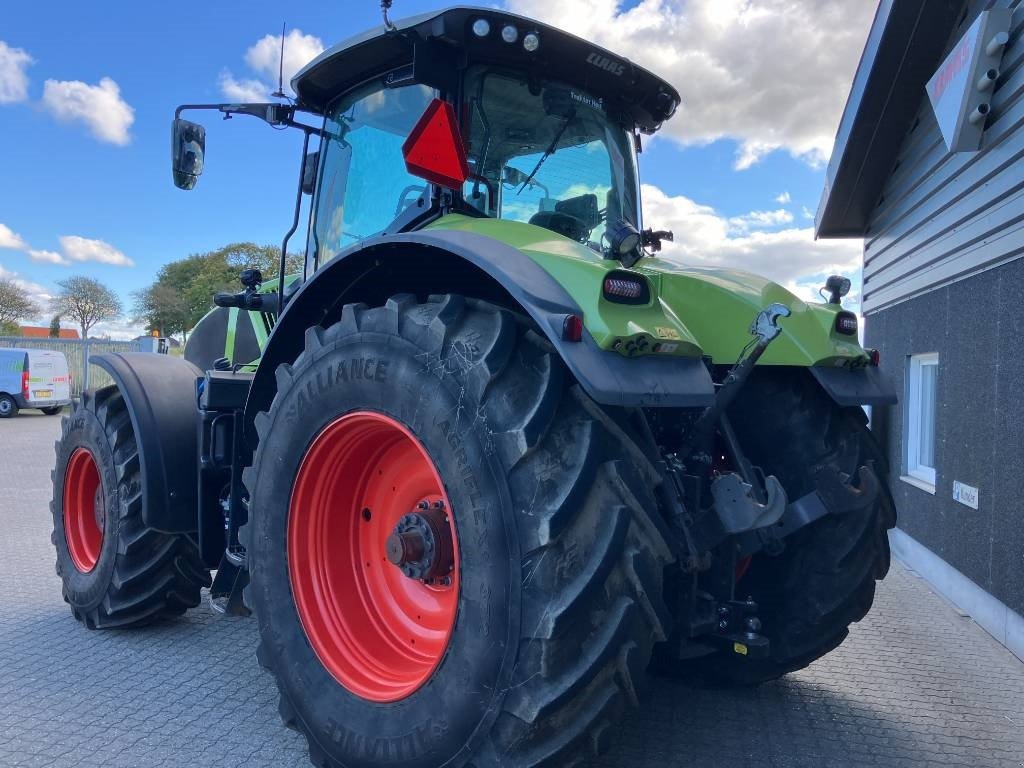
[
  {"x": 572, "y": 328},
  {"x": 24, "y": 384},
  {"x": 846, "y": 323},
  {"x": 875, "y": 356},
  {"x": 626, "y": 288}
]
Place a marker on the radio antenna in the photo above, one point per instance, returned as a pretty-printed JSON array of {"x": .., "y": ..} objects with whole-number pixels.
[
  {"x": 385, "y": 6},
  {"x": 279, "y": 93}
]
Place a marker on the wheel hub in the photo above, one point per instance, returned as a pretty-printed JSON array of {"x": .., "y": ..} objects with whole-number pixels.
[
  {"x": 421, "y": 544},
  {"x": 99, "y": 507}
]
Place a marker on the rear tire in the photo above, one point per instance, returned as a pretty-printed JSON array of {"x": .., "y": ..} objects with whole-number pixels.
[
  {"x": 52, "y": 410},
  {"x": 8, "y": 408},
  {"x": 825, "y": 578},
  {"x": 116, "y": 572},
  {"x": 559, "y": 561}
]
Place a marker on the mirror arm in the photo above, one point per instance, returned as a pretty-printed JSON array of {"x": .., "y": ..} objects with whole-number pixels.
[
  {"x": 295, "y": 222},
  {"x": 272, "y": 114}
]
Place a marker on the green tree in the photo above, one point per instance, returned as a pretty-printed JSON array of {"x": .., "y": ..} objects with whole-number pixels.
[
  {"x": 87, "y": 301},
  {"x": 55, "y": 327},
  {"x": 15, "y": 305},
  {"x": 163, "y": 309},
  {"x": 183, "y": 290}
]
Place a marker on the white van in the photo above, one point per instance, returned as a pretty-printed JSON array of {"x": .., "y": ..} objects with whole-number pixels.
[{"x": 33, "y": 378}]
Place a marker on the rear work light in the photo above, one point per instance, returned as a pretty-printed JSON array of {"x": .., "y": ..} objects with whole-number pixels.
[
  {"x": 626, "y": 288},
  {"x": 846, "y": 323}
]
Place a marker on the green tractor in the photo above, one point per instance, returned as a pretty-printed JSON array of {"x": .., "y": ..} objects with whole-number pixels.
[{"x": 489, "y": 460}]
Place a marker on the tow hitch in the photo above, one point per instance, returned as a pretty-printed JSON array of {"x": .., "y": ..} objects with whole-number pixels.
[{"x": 745, "y": 500}]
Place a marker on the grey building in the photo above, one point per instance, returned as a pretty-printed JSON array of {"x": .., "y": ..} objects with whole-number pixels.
[{"x": 928, "y": 169}]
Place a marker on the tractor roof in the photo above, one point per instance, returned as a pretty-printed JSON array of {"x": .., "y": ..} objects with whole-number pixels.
[{"x": 644, "y": 97}]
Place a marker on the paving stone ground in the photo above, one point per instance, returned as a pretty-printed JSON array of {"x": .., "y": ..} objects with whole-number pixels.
[{"x": 916, "y": 684}]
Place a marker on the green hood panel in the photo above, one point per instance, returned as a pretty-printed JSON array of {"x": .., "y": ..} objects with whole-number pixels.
[
  {"x": 718, "y": 305},
  {"x": 692, "y": 311}
]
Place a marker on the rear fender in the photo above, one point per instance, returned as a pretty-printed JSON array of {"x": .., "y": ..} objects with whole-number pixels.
[
  {"x": 866, "y": 385},
  {"x": 440, "y": 261},
  {"x": 160, "y": 392}
]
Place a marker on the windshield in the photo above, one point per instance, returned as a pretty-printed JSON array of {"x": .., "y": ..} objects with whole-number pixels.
[
  {"x": 548, "y": 154},
  {"x": 364, "y": 184}
]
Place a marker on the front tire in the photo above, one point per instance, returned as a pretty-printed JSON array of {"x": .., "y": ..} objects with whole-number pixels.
[
  {"x": 556, "y": 589},
  {"x": 115, "y": 571}
]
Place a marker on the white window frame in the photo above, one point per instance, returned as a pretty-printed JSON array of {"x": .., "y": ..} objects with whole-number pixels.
[{"x": 918, "y": 474}]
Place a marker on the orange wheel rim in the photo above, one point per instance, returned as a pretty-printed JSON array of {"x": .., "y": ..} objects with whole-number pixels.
[
  {"x": 84, "y": 510},
  {"x": 367, "y": 509}
]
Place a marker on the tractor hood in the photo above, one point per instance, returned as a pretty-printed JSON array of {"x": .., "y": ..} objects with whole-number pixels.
[
  {"x": 691, "y": 311},
  {"x": 718, "y": 305}
]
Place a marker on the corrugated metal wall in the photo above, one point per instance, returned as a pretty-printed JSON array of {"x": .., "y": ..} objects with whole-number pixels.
[{"x": 941, "y": 216}]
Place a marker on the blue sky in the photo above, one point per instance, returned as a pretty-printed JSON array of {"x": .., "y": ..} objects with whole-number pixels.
[{"x": 87, "y": 178}]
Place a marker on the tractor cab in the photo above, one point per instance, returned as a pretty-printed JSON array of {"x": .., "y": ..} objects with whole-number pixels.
[
  {"x": 511, "y": 119},
  {"x": 539, "y": 151}
]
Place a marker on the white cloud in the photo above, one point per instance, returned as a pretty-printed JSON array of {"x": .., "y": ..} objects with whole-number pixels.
[
  {"x": 783, "y": 199},
  {"x": 299, "y": 50},
  {"x": 807, "y": 213},
  {"x": 11, "y": 239},
  {"x": 100, "y": 107},
  {"x": 243, "y": 90},
  {"x": 122, "y": 329},
  {"x": 48, "y": 257},
  {"x": 83, "y": 249},
  {"x": 264, "y": 58},
  {"x": 771, "y": 74},
  {"x": 38, "y": 293},
  {"x": 13, "y": 80},
  {"x": 760, "y": 220},
  {"x": 790, "y": 256}
]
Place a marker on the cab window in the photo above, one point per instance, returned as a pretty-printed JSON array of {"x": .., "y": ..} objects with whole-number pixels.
[{"x": 363, "y": 184}]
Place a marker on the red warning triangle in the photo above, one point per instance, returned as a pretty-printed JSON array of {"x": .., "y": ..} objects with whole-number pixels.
[{"x": 434, "y": 149}]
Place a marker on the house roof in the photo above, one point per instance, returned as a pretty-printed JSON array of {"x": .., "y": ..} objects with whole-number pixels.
[
  {"x": 903, "y": 49},
  {"x": 43, "y": 332}
]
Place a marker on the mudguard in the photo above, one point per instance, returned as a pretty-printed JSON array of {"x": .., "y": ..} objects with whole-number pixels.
[
  {"x": 160, "y": 393},
  {"x": 861, "y": 386},
  {"x": 222, "y": 332},
  {"x": 608, "y": 377}
]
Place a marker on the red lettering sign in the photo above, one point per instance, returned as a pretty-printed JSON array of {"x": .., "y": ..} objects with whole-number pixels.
[{"x": 952, "y": 68}]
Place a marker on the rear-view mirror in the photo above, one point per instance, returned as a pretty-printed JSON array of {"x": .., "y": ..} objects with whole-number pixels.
[
  {"x": 309, "y": 167},
  {"x": 188, "y": 147}
]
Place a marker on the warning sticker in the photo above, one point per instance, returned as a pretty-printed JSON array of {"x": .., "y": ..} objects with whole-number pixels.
[
  {"x": 666, "y": 333},
  {"x": 740, "y": 648}
]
